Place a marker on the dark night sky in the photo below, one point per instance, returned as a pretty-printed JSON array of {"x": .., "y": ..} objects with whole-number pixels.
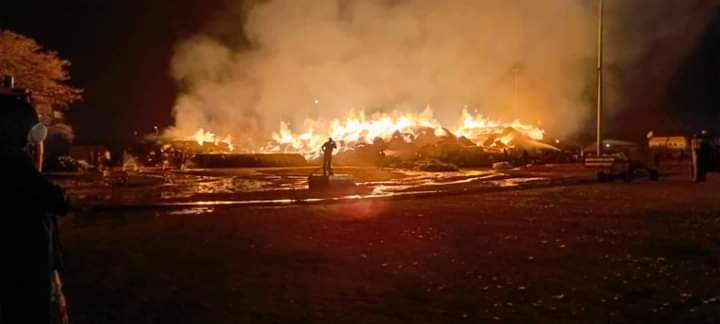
[
  {"x": 121, "y": 52},
  {"x": 674, "y": 87},
  {"x": 694, "y": 92}
]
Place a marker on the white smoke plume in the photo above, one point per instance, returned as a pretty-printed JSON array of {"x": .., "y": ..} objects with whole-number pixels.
[{"x": 319, "y": 59}]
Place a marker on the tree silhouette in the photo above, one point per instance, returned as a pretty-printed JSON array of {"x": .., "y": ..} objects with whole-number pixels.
[{"x": 43, "y": 73}]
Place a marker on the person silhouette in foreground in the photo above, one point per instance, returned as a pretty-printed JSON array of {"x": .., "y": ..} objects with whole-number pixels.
[
  {"x": 28, "y": 234},
  {"x": 327, "y": 150}
]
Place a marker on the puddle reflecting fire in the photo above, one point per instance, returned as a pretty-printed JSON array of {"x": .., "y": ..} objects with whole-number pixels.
[{"x": 208, "y": 188}]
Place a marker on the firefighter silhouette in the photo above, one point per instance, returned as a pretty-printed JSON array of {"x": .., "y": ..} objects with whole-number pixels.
[{"x": 327, "y": 149}]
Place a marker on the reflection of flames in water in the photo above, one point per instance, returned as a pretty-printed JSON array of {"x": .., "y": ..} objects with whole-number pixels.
[{"x": 359, "y": 128}]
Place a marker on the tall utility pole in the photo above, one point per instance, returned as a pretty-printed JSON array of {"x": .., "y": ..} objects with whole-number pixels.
[{"x": 598, "y": 147}]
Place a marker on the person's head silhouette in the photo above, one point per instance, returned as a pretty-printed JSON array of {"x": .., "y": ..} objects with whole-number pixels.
[{"x": 19, "y": 123}]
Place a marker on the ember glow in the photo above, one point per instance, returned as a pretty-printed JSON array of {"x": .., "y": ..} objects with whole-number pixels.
[
  {"x": 359, "y": 127},
  {"x": 203, "y": 137}
]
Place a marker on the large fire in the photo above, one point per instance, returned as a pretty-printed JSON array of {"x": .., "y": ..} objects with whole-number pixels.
[
  {"x": 202, "y": 137},
  {"x": 359, "y": 127}
]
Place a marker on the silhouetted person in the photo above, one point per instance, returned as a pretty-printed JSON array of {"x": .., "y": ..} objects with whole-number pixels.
[
  {"x": 379, "y": 144},
  {"x": 327, "y": 150},
  {"x": 701, "y": 153},
  {"x": 28, "y": 245},
  {"x": 381, "y": 159}
]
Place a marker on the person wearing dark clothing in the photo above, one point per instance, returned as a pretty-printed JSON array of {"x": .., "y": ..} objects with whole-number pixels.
[
  {"x": 701, "y": 156},
  {"x": 327, "y": 150},
  {"x": 28, "y": 235},
  {"x": 381, "y": 159}
]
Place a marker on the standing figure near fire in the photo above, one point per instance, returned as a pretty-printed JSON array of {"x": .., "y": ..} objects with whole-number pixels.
[
  {"x": 327, "y": 150},
  {"x": 29, "y": 247}
]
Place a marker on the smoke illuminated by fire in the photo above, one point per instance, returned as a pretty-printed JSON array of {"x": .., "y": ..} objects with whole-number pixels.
[
  {"x": 261, "y": 63},
  {"x": 359, "y": 127},
  {"x": 305, "y": 64}
]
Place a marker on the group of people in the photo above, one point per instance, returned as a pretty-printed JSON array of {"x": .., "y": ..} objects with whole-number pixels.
[{"x": 30, "y": 285}]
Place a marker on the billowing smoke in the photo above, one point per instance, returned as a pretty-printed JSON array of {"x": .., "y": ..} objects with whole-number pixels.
[{"x": 288, "y": 60}]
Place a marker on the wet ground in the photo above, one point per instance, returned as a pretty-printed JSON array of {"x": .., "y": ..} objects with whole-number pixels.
[
  {"x": 549, "y": 247},
  {"x": 270, "y": 186}
]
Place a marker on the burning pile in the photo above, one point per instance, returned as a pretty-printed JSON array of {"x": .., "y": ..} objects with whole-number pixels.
[
  {"x": 200, "y": 142},
  {"x": 313, "y": 59},
  {"x": 203, "y": 137},
  {"x": 394, "y": 131}
]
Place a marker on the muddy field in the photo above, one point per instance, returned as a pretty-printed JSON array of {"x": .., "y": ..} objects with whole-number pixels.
[{"x": 564, "y": 250}]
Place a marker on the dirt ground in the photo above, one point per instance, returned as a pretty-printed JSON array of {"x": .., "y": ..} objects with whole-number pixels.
[{"x": 591, "y": 253}]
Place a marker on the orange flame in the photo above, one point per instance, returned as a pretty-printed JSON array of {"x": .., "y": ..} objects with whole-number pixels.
[
  {"x": 359, "y": 128},
  {"x": 203, "y": 137}
]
